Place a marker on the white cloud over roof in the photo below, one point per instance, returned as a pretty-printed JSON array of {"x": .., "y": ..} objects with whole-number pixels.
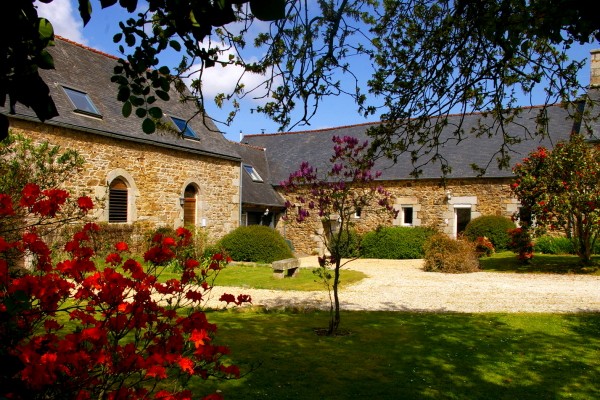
[{"x": 64, "y": 18}]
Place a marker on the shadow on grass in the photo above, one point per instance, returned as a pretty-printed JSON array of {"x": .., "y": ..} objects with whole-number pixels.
[
  {"x": 542, "y": 263},
  {"x": 412, "y": 356}
]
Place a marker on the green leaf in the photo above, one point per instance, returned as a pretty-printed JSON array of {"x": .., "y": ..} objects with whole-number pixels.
[
  {"x": 268, "y": 10},
  {"x": 155, "y": 112},
  {"x": 123, "y": 94},
  {"x": 107, "y": 3},
  {"x": 45, "y": 60},
  {"x": 165, "y": 85},
  {"x": 117, "y": 38},
  {"x": 175, "y": 45},
  {"x": 85, "y": 11},
  {"x": 45, "y": 30},
  {"x": 140, "y": 112},
  {"x": 130, "y": 40},
  {"x": 136, "y": 101},
  {"x": 120, "y": 79},
  {"x": 131, "y": 5},
  {"x": 163, "y": 95},
  {"x": 126, "y": 110},
  {"x": 148, "y": 126},
  {"x": 164, "y": 70}
]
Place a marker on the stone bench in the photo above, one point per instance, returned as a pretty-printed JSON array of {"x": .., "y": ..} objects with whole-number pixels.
[{"x": 286, "y": 268}]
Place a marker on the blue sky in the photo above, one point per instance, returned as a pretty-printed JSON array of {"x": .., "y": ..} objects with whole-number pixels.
[{"x": 334, "y": 111}]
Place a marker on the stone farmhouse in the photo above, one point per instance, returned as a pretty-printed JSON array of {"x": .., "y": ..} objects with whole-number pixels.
[
  {"x": 445, "y": 204},
  {"x": 186, "y": 174},
  {"x": 189, "y": 174}
]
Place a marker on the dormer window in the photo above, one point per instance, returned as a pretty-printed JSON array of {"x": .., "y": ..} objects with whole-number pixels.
[
  {"x": 185, "y": 128},
  {"x": 253, "y": 174},
  {"x": 82, "y": 102}
]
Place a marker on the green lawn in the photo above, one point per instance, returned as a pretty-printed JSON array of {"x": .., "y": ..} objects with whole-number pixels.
[
  {"x": 261, "y": 277},
  {"x": 396, "y": 355},
  {"x": 404, "y": 355},
  {"x": 506, "y": 261}
]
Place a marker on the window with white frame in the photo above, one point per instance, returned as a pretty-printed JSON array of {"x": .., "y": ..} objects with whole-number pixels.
[
  {"x": 82, "y": 102},
  {"x": 407, "y": 215},
  {"x": 252, "y": 172},
  {"x": 118, "y": 201},
  {"x": 462, "y": 217}
]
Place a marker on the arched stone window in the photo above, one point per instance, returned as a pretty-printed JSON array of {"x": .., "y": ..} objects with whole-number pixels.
[
  {"x": 118, "y": 201},
  {"x": 189, "y": 206}
]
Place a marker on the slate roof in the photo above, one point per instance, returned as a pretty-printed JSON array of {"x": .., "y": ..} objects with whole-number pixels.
[
  {"x": 258, "y": 193},
  {"x": 84, "y": 69},
  {"x": 286, "y": 151}
]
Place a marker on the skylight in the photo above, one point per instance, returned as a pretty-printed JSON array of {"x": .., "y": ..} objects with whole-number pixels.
[
  {"x": 184, "y": 127},
  {"x": 253, "y": 174},
  {"x": 82, "y": 102}
]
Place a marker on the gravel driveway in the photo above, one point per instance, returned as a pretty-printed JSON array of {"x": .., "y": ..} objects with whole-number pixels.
[{"x": 402, "y": 285}]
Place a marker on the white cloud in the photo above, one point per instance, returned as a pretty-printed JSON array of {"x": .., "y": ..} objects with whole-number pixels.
[
  {"x": 64, "y": 18},
  {"x": 219, "y": 79}
]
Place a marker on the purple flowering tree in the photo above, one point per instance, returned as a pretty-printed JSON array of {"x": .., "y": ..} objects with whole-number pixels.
[{"x": 348, "y": 187}]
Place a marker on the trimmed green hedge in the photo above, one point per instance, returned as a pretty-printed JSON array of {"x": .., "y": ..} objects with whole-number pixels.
[
  {"x": 255, "y": 243},
  {"x": 396, "y": 243},
  {"x": 349, "y": 244},
  {"x": 554, "y": 245},
  {"x": 493, "y": 227}
]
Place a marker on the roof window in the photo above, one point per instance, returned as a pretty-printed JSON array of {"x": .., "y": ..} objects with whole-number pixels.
[
  {"x": 82, "y": 102},
  {"x": 253, "y": 174},
  {"x": 184, "y": 128}
]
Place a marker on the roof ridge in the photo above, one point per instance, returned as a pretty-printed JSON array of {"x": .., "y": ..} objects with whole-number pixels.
[
  {"x": 249, "y": 146},
  {"x": 314, "y": 130},
  {"x": 86, "y": 47},
  {"x": 379, "y": 122}
]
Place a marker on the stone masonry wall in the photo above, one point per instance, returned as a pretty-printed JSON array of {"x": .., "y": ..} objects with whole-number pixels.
[
  {"x": 433, "y": 206},
  {"x": 157, "y": 177}
]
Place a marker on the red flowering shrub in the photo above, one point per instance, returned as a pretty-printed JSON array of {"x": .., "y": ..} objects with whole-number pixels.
[
  {"x": 522, "y": 244},
  {"x": 71, "y": 330},
  {"x": 483, "y": 246},
  {"x": 560, "y": 190}
]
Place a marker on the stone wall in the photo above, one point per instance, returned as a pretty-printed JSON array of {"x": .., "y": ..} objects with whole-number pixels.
[
  {"x": 433, "y": 205},
  {"x": 156, "y": 178}
]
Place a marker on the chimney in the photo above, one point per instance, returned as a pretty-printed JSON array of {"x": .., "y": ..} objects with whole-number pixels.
[{"x": 595, "y": 68}]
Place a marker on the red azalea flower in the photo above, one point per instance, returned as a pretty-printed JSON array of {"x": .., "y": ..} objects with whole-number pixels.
[
  {"x": 6, "y": 205},
  {"x": 85, "y": 203},
  {"x": 121, "y": 246}
]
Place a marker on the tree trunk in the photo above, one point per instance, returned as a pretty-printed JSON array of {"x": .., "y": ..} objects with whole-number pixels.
[
  {"x": 585, "y": 250},
  {"x": 584, "y": 239},
  {"x": 334, "y": 322}
]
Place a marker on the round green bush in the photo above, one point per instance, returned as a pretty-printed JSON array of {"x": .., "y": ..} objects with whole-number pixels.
[
  {"x": 493, "y": 227},
  {"x": 255, "y": 243},
  {"x": 395, "y": 243}
]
